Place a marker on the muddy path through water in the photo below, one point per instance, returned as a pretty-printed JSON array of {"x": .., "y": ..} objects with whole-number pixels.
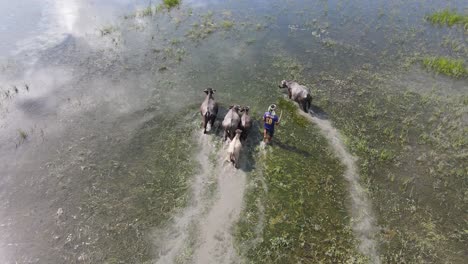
[
  {"x": 202, "y": 232},
  {"x": 360, "y": 207}
]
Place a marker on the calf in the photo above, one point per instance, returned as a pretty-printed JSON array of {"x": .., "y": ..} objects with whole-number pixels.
[{"x": 235, "y": 148}]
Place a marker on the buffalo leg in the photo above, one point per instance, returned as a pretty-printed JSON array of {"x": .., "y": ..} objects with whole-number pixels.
[{"x": 204, "y": 124}]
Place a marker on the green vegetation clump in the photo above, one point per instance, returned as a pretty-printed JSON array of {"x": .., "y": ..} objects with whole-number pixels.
[
  {"x": 171, "y": 3},
  {"x": 447, "y": 66},
  {"x": 23, "y": 135},
  {"x": 290, "y": 108},
  {"x": 227, "y": 24},
  {"x": 448, "y": 17}
]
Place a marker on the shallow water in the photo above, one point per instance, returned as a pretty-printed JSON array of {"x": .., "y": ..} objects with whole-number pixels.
[{"x": 87, "y": 87}]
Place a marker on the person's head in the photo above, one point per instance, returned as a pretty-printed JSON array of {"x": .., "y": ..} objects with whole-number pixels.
[{"x": 272, "y": 108}]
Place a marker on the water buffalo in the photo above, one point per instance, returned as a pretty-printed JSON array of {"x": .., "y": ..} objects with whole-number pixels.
[
  {"x": 231, "y": 121},
  {"x": 245, "y": 123},
  {"x": 299, "y": 93},
  {"x": 208, "y": 109},
  {"x": 234, "y": 149}
]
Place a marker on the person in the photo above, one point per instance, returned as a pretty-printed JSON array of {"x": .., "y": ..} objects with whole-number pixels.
[{"x": 270, "y": 119}]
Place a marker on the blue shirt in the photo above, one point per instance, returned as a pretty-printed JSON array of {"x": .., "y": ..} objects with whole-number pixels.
[{"x": 270, "y": 121}]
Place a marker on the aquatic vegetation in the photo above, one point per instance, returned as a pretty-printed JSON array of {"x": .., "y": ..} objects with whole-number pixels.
[
  {"x": 250, "y": 41},
  {"x": 455, "y": 45},
  {"x": 204, "y": 29},
  {"x": 386, "y": 142},
  {"x": 151, "y": 10},
  {"x": 329, "y": 43},
  {"x": 290, "y": 68},
  {"x": 148, "y": 11},
  {"x": 175, "y": 42},
  {"x": 227, "y": 24},
  {"x": 171, "y": 3},
  {"x": 448, "y": 17},
  {"x": 447, "y": 66},
  {"x": 107, "y": 30},
  {"x": 23, "y": 135},
  {"x": 154, "y": 189}
]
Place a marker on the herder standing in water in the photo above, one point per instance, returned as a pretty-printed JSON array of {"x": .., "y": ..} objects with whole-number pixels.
[{"x": 270, "y": 119}]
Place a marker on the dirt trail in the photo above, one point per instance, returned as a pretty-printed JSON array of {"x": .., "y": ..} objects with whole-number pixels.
[
  {"x": 363, "y": 223},
  {"x": 175, "y": 239},
  {"x": 216, "y": 239},
  {"x": 202, "y": 232}
]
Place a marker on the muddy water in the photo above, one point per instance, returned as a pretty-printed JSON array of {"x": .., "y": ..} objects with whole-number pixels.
[{"x": 88, "y": 88}]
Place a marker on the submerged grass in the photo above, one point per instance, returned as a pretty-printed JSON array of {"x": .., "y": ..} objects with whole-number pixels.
[
  {"x": 411, "y": 158},
  {"x": 227, "y": 24},
  {"x": 107, "y": 30},
  {"x": 139, "y": 191},
  {"x": 448, "y": 17},
  {"x": 300, "y": 187},
  {"x": 448, "y": 66}
]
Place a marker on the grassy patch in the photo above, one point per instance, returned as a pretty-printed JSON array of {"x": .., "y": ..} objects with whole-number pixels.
[
  {"x": 300, "y": 187},
  {"x": 171, "y": 3},
  {"x": 227, "y": 24},
  {"x": 447, "y": 66},
  {"x": 410, "y": 151},
  {"x": 448, "y": 17}
]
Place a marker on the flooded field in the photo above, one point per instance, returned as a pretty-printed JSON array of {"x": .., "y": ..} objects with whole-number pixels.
[{"x": 103, "y": 158}]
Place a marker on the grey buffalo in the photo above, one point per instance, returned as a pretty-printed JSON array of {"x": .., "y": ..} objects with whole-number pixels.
[
  {"x": 299, "y": 93},
  {"x": 208, "y": 109},
  {"x": 245, "y": 123},
  {"x": 231, "y": 122}
]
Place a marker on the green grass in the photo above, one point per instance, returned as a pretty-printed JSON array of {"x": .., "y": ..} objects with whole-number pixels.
[
  {"x": 302, "y": 217},
  {"x": 148, "y": 11},
  {"x": 411, "y": 159},
  {"x": 448, "y": 66},
  {"x": 227, "y": 24},
  {"x": 171, "y": 3},
  {"x": 448, "y": 17}
]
